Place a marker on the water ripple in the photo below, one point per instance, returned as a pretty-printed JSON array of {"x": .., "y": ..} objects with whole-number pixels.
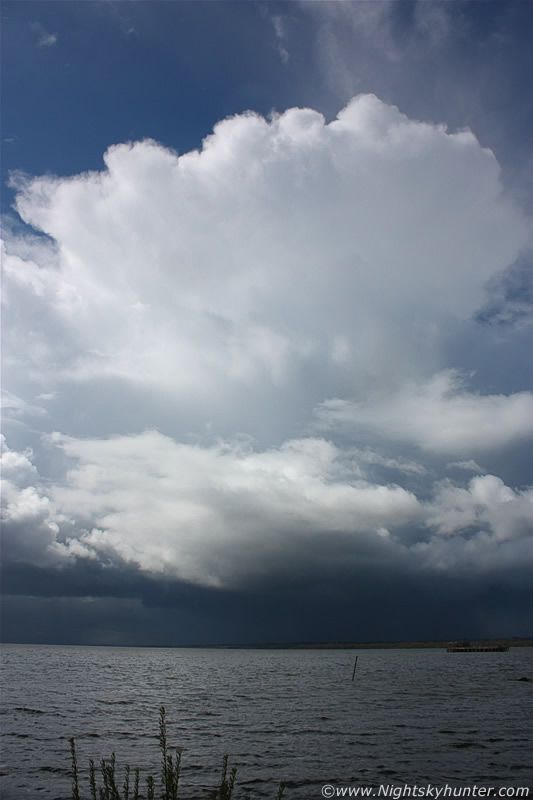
[{"x": 410, "y": 716}]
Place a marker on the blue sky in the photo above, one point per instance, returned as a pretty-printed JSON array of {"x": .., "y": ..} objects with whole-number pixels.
[
  {"x": 267, "y": 320},
  {"x": 111, "y": 72},
  {"x": 121, "y": 71}
]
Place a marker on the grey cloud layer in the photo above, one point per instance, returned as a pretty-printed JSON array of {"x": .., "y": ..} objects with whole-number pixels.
[{"x": 226, "y": 514}]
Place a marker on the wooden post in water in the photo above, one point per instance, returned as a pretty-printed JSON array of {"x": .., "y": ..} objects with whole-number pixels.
[{"x": 354, "y": 667}]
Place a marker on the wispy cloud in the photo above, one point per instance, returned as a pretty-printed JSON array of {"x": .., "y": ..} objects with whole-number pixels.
[
  {"x": 44, "y": 38},
  {"x": 280, "y": 30},
  {"x": 469, "y": 466},
  {"x": 13, "y": 406}
]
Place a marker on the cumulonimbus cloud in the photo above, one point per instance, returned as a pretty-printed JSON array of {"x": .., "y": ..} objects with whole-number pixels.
[{"x": 288, "y": 261}]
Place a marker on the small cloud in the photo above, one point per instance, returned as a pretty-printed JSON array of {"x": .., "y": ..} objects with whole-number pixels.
[
  {"x": 469, "y": 466},
  {"x": 13, "y": 406},
  {"x": 281, "y": 37},
  {"x": 432, "y": 21},
  {"x": 370, "y": 456},
  {"x": 45, "y": 39},
  {"x": 46, "y": 396},
  {"x": 438, "y": 415}
]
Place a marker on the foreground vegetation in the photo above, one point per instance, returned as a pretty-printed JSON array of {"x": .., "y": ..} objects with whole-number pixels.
[{"x": 105, "y": 786}]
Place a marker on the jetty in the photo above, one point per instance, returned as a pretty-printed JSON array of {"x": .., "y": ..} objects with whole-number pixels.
[{"x": 466, "y": 647}]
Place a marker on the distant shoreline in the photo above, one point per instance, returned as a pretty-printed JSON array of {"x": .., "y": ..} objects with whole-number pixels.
[
  {"x": 404, "y": 645},
  {"x": 515, "y": 642}
]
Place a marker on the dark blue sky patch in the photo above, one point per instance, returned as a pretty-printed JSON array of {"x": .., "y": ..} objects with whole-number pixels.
[{"x": 510, "y": 295}]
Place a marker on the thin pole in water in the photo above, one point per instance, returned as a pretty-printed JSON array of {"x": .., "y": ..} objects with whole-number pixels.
[{"x": 354, "y": 667}]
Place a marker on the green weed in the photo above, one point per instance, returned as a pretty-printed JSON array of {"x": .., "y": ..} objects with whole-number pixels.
[{"x": 169, "y": 776}]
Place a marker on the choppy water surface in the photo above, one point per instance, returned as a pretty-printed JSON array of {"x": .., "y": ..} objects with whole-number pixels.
[{"x": 410, "y": 716}]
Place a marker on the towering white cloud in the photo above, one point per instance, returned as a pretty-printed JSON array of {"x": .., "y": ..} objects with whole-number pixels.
[{"x": 283, "y": 245}]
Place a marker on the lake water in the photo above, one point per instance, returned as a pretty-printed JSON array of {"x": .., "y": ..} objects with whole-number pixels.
[{"x": 412, "y": 717}]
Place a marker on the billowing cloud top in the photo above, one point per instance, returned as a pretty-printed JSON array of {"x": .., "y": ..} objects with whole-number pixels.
[{"x": 246, "y": 354}]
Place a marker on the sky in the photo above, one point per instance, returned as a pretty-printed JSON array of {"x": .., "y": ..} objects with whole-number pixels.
[{"x": 266, "y": 303}]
